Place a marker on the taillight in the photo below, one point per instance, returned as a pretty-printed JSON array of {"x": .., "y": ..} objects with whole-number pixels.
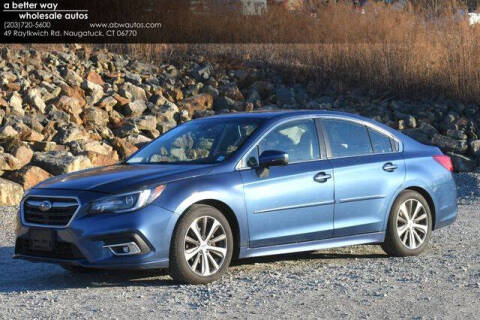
[{"x": 445, "y": 161}]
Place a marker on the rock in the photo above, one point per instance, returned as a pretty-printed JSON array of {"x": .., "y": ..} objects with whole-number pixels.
[
  {"x": 10, "y": 193},
  {"x": 146, "y": 122},
  {"x": 124, "y": 148},
  {"x": 132, "y": 90},
  {"x": 70, "y": 106},
  {"x": 94, "y": 77},
  {"x": 462, "y": 163},
  {"x": 135, "y": 108},
  {"x": 95, "y": 116},
  {"x": 121, "y": 100},
  {"x": 137, "y": 140},
  {"x": 417, "y": 134},
  {"x": 457, "y": 134},
  {"x": 285, "y": 96},
  {"x": 15, "y": 103},
  {"x": 31, "y": 135},
  {"x": 8, "y": 162},
  {"x": 94, "y": 91},
  {"x": 448, "y": 144},
  {"x": 60, "y": 162},
  {"x": 70, "y": 132},
  {"x": 22, "y": 153},
  {"x": 100, "y": 160},
  {"x": 8, "y": 131},
  {"x": 28, "y": 176},
  {"x": 108, "y": 103},
  {"x": 71, "y": 77},
  {"x": 198, "y": 102},
  {"x": 35, "y": 100}
]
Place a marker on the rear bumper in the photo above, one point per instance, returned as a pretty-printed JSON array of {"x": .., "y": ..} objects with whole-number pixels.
[
  {"x": 446, "y": 208},
  {"x": 84, "y": 241}
]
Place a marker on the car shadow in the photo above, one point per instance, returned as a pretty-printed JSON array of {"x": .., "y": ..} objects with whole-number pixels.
[{"x": 21, "y": 276}]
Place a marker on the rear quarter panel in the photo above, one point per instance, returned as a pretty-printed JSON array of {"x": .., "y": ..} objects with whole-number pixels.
[{"x": 425, "y": 172}]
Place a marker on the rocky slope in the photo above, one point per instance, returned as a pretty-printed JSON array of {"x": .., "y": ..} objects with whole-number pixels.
[{"x": 71, "y": 109}]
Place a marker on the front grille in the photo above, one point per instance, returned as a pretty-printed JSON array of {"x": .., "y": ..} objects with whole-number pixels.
[
  {"x": 62, "y": 250},
  {"x": 56, "y": 212}
]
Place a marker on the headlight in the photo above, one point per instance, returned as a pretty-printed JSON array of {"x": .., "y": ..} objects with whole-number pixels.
[{"x": 126, "y": 202}]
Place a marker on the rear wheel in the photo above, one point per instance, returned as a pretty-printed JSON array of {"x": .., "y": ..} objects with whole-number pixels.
[
  {"x": 202, "y": 246},
  {"x": 409, "y": 226}
]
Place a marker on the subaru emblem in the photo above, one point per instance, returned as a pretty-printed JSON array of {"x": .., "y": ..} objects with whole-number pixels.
[{"x": 45, "y": 205}]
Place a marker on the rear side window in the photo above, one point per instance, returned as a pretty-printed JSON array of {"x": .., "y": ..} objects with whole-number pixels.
[
  {"x": 346, "y": 138},
  {"x": 380, "y": 142}
]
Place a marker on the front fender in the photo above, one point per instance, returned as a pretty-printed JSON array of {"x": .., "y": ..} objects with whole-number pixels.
[{"x": 224, "y": 187}]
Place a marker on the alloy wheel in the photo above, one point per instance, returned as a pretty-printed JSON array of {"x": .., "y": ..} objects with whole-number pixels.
[
  {"x": 412, "y": 224},
  {"x": 205, "y": 246}
]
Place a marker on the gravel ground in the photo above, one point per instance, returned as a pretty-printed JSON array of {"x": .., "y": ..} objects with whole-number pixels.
[{"x": 355, "y": 282}]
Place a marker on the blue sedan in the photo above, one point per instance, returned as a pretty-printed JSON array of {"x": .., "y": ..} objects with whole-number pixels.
[{"x": 242, "y": 185}]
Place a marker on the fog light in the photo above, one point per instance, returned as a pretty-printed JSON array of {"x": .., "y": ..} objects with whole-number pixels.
[{"x": 124, "y": 249}]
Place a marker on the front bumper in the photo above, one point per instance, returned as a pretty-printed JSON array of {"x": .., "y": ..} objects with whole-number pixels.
[{"x": 84, "y": 241}]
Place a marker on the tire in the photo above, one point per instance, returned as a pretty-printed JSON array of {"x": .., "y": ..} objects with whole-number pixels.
[
  {"x": 77, "y": 269},
  {"x": 403, "y": 238},
  {"x": 207, "y": 261}
]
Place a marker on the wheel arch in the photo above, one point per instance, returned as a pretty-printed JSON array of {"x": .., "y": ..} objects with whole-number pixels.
[
  {"x": 429, "y": 200},
  {"x": 229, "y": 214}
]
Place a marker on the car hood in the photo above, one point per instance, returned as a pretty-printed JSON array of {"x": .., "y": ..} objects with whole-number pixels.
[{"x": 123, "y": 177}]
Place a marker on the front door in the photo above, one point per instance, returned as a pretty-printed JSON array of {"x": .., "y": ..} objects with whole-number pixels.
[{"x": 292, "y": 203}]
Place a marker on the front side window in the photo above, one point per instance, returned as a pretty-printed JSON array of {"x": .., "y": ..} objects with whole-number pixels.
[
  {"x": 197, "y": 142},
  {"x": 296, "y": 138},
  {"x": 380, "y": 142},
  {"x": 346, "y": 138}
]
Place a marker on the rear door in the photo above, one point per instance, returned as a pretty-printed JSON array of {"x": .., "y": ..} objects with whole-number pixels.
[
  {"x": 293, "y": 203},
  {"x": 368, "y": 171}
]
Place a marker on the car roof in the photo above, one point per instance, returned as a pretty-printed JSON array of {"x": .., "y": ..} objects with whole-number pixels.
[{"x": 285, "y": 114}]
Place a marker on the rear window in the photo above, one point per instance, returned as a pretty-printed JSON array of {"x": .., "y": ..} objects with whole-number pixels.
[{"x": 346, "y": 138}]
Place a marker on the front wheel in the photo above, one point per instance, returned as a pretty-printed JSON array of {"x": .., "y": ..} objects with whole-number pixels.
[
  {"x": 202, "y": 246},
  {"x": 409, "y": 226}
]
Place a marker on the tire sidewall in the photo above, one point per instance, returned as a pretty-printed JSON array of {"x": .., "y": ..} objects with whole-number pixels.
[
  {"x": 179, "y": 267},
  {"x": 392, "y": 227}
]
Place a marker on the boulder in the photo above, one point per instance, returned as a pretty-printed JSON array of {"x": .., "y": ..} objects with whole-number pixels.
[
  {"x": 35, "y": 100},
  {"x": 95, "y": 116},
  {"x": 8, "y": 162},
  {"x": 198, "y": 102},
  {"x": 94, "y": 91},
  {"x": 129, "y": 90},
  {"x": 135, "y": 108},
  {"x": 22, "y": 153},
  {"x": 69, "y": 133},
  {"x": 124, "y": 148},
  {"x": 100, "y": 160},
  {"x": 462, "y": 163},
  {"x": 28, "y": 176},
  {"x": 60, "y": 162},
  {"x": 449, "y": 144},
  {"x": 10, "y": 193},
  {"x": 94, "y": 77},
  {"x": 15, "y": 103}
]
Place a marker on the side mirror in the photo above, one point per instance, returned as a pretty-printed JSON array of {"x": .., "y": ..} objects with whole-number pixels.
[{"x": 271, "y": 158}]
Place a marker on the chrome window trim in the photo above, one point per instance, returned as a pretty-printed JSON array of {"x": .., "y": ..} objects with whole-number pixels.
[
  {"x": 368, "y": 125},
  {"x": 28, "y": 224},
  {"x": 239, "y": 166}
]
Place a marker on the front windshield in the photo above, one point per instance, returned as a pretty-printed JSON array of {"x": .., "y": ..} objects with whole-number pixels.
[{"x": 204, "y": 141}]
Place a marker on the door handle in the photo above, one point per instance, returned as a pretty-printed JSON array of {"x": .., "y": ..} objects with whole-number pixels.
[
  {"x": 322, "y": 177},
  {"x": 389, "y": 167}
]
